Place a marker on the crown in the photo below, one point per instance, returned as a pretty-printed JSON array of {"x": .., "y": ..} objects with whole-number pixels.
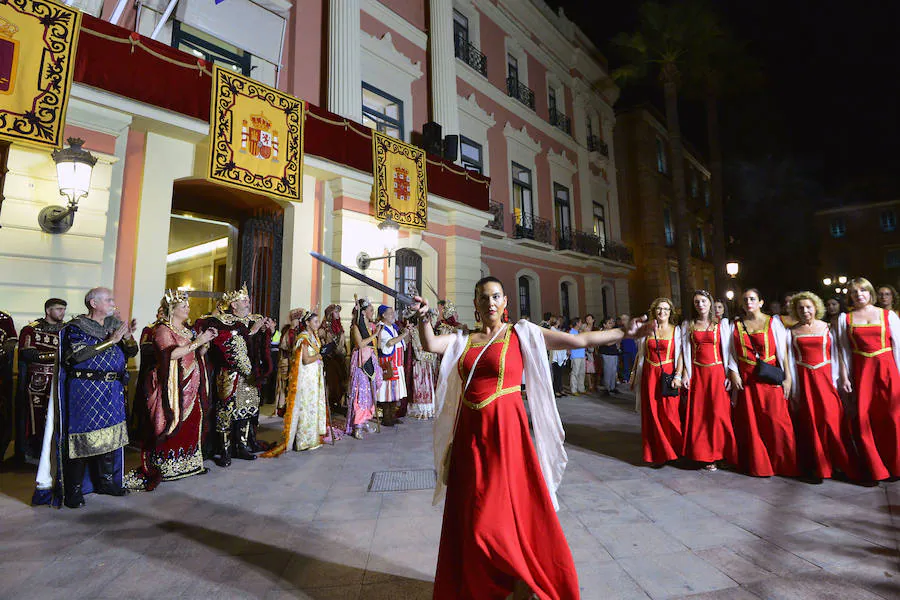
[
  {"x": 260, "y": 121},
  {"x": 7, "y": 29},
  {"x": 174, "y": 297},
  {"x": 236, "y": 295}
]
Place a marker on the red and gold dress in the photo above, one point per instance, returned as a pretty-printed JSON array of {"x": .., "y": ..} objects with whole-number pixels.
[
  {"x": 708, "y": 432},
  {"x": 876, "y": 383},
  {"x": 499, "y": 522},
  {"x": 660, "y": 417},
  {"x": 762, "y": 420},
  {"x": 823, "y": 436}
]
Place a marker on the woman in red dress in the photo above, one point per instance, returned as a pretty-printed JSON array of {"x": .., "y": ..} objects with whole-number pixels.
[
  {"x": 762, "y": 420},
  {"x": 708, "y": 433},
  {"x": 500, "y": 533},
  {"x": 660, "y": 417},
  {"x": 870, "y": 346},
  {"x": 822, "y": 434}
]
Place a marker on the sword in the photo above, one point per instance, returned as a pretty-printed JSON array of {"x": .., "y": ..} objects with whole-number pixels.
[{"x": 360, "y": 277}]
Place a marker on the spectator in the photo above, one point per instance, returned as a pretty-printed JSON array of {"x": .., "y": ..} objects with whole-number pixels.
[{"x": 576, "y": 377}]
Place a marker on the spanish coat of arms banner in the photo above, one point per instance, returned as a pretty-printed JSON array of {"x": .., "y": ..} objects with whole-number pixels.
[
  {"x": 37, "y": 58},
  {"x": 400, "y": 189},
  {"x": 256, "y": 136}
]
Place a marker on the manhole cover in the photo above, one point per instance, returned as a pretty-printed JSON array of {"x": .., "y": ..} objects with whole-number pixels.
[{"x": 402, "y": 481}]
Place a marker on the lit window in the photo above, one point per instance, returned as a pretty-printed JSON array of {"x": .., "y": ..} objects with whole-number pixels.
[
  {"x": 695, "y": 184},
  {"x": 562, "y": 210},
  {"x": 707, "y": 193},
  {"x": 600, "y": 222},
  {"x": 888, "y": 221},
  {"x": 512, "y": 68},
  {"x": 701, "y": 242},
  {"x": 471, "y": 155},
  {"x": 670, "y": 229},
  {"x": 382, "y": 112},
  {"x": 523, "y": 208},
  {"x": 661, "y": 164},
  {"x": 838, "y": 227},
  {"x": 205, "y": 46}
]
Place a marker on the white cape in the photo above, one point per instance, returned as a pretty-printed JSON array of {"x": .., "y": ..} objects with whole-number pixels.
[{"x": 548, "y": 431}]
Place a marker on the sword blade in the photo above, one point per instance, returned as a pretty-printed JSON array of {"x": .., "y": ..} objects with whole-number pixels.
[{"x": 360, "y": 277}]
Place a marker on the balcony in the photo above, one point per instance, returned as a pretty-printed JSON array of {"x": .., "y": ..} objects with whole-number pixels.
[
  {"x": 560, "y": 121},
  {"x": 519, "y": 91},
  {"x": 496, "y": 209},
  {"x": 618, "y": 252},
  {"x": 470, "y": 55},
  {"x": 595, "y": 144},
  {"x": 529, "y": 227},
  {"x": 589, "y": 244}
]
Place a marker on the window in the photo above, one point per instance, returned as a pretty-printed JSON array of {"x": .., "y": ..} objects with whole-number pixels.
[
  {"x": 562, "y": 212},
  {"x": 564, "y": 299},
  {"x": 382, "y": 112},
  {"x": 600, "y": 222},
  {"x": 523, "y": 209},
  {"x": 512, "y": 68},
  {"x": 675, "y": 287},
  {"x": 590, "y": 128},
  {"x": 408, "y": 275},
  {"x": 661, "y": 164},
  {"x": 707, "y": 193},
  {"x": 695, "y": 184},
  {"x": 701, "y": 242},
  {"x": 460, "y": 30},
  {"x": 667, "y": 223},
  {"x": 470, "y": 154},
  {"x": 201, "y": 45},
  {"x": 838, "y": 227},
  {"x": 892, "y": 259},
  {"x": 888, "y": 221},
  {"x": 524, "y": 297},
  {"x": 551, "y": 100}
]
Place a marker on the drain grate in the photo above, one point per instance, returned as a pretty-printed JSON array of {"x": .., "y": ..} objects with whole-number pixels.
[{"x": 402, "y": 481}]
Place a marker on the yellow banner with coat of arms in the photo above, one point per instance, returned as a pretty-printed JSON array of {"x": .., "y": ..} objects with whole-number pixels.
[
  {"x": 256, "y": 136},
  {"x": 401, "y": 188},
  {"x": 37, "y": 59}
]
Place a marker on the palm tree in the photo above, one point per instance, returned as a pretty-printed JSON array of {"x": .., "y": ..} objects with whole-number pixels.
[{"x": 660, "y": 47}]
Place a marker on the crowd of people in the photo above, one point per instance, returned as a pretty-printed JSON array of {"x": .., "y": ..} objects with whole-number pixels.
[
  {"x": 199, "y": 387},
  {"x": 802, "y": 388}
]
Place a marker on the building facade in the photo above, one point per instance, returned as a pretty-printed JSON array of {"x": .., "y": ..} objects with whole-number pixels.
[
  {"x": 646, "y": 195},
  {"x": 531, "y": 197},
  {"x": 860, "y": 240}
]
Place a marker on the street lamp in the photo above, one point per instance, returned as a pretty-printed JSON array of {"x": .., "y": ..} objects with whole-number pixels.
[
  {"x": 390, "y": 232},
  {"x": 74, "y": 166},
  {"x": 729, "y": 295},
  {"x": 842, "y": 279},
  {"x": 732, "y": 268},
  {"x": 826, "y": 281}
]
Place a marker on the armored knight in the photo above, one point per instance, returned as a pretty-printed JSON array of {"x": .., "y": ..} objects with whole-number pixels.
[
  {"x": 38, "y": 352},
  {"x": 242, "y": 360},
  {"x": 7, "y": 349}
]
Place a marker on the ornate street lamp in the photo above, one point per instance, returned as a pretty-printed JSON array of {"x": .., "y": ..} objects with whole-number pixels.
[
  {"x": 390, "y": 232},
  {"x": 732, "y": 268},
  {"x": 74, "y": 166},
  {"x": 826, "y": 281}
]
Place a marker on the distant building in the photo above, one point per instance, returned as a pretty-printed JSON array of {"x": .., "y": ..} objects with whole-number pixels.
[
  {"x": 861, "y": 240},
  {"x": 647, "y": 196}
]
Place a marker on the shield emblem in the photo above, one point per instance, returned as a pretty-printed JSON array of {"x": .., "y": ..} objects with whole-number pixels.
[
  {"x": 9, "y": 56},
  {"x": 401, "y": 184}
]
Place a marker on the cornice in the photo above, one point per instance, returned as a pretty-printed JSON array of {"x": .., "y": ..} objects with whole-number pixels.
[
  {"x": 384, "y": 49},
  {"x": 521, "y": 137},
  {"x": 561, "y": 160},
  {"x": 470, "y": 107},
  {"x": 386, "y": 16}
]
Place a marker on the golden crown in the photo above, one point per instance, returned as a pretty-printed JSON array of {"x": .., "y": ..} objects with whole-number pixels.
[
  {"x": 173, "y": 297},
  {"x": 260, "y": 121},
  {"x": 7, "y": 29},
  {"x": 236, "y": 295}
]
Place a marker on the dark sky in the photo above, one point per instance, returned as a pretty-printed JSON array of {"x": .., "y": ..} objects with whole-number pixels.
[{"x": 831, "y": 94}]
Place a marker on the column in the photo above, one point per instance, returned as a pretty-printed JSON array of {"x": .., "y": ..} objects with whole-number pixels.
[
  {"x": 443, "y": 67},
  {"x": 344, "y": 71}
]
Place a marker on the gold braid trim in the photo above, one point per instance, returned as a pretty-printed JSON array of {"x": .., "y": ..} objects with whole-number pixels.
[
  {"x": 129, "y": 40},
  {"x": 293, "y": 377}
]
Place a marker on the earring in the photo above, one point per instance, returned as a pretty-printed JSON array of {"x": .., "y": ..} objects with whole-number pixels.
[
  {"x": 477, "y": 317},
  {"x": 506, "y": 315}
]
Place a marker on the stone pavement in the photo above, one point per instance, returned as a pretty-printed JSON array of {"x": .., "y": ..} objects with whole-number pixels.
[{"x": 304, "y": 526}]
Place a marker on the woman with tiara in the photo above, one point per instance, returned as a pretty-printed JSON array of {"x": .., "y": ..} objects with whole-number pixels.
[{"x": 365, "y": 373}]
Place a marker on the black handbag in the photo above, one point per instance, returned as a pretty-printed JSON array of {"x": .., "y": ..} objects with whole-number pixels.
[
  {"x": 666, "y": 380},
  {"x": 765, "y": 372}
]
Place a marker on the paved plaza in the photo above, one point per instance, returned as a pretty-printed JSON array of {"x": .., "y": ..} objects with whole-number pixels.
[{"x": 304, "y": 526}]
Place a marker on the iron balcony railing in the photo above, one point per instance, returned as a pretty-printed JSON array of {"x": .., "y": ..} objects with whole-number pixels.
[
  {"x": 560, "y": 121},
  {"x": 595, "y": 144},
  {"x": 520, "y": 92},
  {"x": 589, "y": 244},
  {"x": 532, "y": 228},
  {"x": 618, "y": 252},
  {"x": 496, "y": 209},
  {"x": 469, "y": 54}
]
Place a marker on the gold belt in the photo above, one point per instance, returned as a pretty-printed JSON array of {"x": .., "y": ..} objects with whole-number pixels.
[
  {"x": 871, "y": 354},
  {"x": 659, "y": 364},
  {"x": 700, "y": 364},
  {"x": 491, "y": 398}
]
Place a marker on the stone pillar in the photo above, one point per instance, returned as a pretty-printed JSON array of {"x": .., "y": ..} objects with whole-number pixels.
[
  {"x": 344, "y": 72},
  {"x": 443, "y": 67}
]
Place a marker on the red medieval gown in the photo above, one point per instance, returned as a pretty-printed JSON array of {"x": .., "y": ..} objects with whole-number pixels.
[
  {"x": 762, "y": 420},
  {"x": 499, "y": 522},
  {"x": 708, "y": 432},
  {"x": 660, "y": 418},
  {"x": 823, "y": 436},
  {"x": 876, "y": 382}
]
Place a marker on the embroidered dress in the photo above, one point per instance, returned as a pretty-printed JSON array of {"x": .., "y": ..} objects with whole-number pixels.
[
  {"x": 823, "y": 436},
  {"x": 305, "y": 416},
  {"x": 499, "y": 521},
  {"x": 394, "y": 387},
  {"x": 422, "y": 406},
  {"x": 285, "y": 356},
  {"x": 176, "y": 389},
  {"x": 708, "y": 431},
  {"x": 362, "y": 393},
  {"x": 660, "y": 419},
  {"x": 762, "y": 421},
  {"x": 871, "y": 352}
]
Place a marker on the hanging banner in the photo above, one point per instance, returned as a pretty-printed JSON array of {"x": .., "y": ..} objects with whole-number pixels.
[
  {"x": 256, "y": 136},
  {"x": 37, "y": 58},
  {"x": 400, "y": 189}
]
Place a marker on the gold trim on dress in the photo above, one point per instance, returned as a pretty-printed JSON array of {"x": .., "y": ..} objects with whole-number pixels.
[
  {"x": 883, "y": 348},
  {"x": 694, "y": 346},
  {"x": 825, "y": 352},
  {"x": 492, "y": 397},
  {"x": 100, "y": 441},
  {"x": 765, "y": 331}
]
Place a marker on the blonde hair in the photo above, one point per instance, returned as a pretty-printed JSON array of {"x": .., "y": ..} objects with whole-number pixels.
[
  {"x": 817, "y": 302},
  {"x": 863, "y": 284},
  {"x": 655, "y": 304}
]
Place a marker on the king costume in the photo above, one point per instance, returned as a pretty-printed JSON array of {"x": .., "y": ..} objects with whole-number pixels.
[{"x": 38, "y": 352}]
